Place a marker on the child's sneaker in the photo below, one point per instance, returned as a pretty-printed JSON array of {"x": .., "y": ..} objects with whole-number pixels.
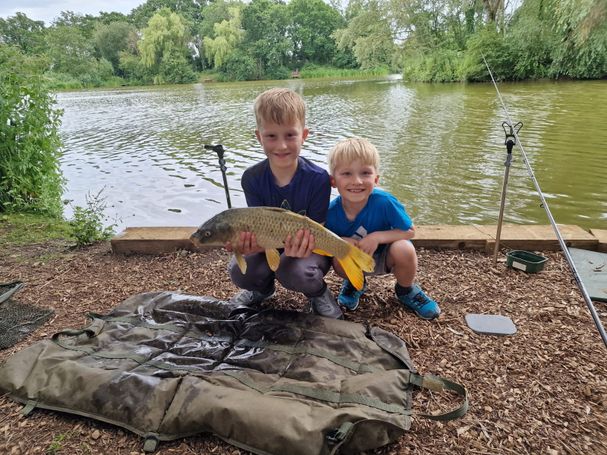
[
  {"x": 349, "y": 296},
  {"x": 325, "y": 305},
  {"x": 252, "y": 298},
  {"x": 419, "y": 303}
]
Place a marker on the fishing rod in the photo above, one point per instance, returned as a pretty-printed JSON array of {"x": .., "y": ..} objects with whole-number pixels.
[
  {"x": 222, "y": 166},
  {"x": 578, "y": 280}
]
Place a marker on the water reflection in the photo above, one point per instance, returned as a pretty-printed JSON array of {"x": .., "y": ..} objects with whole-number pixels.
[{"x": 441, "y": 145}]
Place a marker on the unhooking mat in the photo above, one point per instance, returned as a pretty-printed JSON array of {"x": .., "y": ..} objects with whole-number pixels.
[{"x": 165, "y": 366}]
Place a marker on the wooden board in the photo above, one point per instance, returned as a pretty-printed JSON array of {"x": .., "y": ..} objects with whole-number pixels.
[
  {"x": 156, "y": 240},
  {"x": 450, "y": 237},
  {"x": 153, "y": 240},
  {"x": 601, "y": 235},
  {"x": 539, "y": 237}
]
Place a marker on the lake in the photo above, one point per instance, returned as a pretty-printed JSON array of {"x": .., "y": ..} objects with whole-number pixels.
[{"x": 441, "y": 146}]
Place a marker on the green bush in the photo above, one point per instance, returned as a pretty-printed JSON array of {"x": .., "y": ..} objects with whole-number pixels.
[
  {"x": 87, "y": 225},
  {"x": 238, "y": 67},
  {"x": 30, "y": 176},
  {"x": 133, "y": 69},
  {"x": 439, "y": 65},
  {"x": 175, "y": 69},
  {"x": 276, "y": 73},
  {"x": 497, "y": 52}
]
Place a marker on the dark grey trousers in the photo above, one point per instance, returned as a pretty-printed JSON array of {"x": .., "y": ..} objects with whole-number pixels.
[{"x": 305, "y": 275}]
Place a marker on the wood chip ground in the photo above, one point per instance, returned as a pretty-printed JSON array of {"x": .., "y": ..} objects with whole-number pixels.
[{"x": 540, "y": 391}]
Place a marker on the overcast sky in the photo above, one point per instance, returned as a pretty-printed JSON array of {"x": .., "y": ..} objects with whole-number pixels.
[{"x": 47, "y": 10}]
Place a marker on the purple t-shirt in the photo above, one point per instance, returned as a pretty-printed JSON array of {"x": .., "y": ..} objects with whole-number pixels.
[{"x": 307, "y": 193}]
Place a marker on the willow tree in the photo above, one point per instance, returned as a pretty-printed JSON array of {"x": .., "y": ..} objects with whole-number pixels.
[
  {"x": 369, "y": 34},
  {"x": 228, "y": 35},
  {"x": 582, "y": 27},
  {"x": 164, "y": 47}
]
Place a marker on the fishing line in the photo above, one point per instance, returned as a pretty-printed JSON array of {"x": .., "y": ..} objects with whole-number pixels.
[{"x": 587, "y": 299}]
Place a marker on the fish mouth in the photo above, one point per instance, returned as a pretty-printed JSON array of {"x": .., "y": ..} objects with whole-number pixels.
[{"x": 195, "y": 238}]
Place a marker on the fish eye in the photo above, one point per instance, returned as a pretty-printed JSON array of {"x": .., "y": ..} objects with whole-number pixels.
[{"x": 207, "y": 233}]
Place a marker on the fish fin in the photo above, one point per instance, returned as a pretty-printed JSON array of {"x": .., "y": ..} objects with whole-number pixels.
[
  {"x": 321, "y": 252},
  {"x": 354, "y": 263},
  {"x": 273, "y": 258},
  {"x": 242, "y": 263}
]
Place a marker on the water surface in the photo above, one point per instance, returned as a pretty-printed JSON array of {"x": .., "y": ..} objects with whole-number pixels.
[{"x": 442, "y": 147}]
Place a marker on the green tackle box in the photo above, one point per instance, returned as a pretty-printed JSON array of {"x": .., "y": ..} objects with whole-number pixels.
[{"x": 525, "y": 260}]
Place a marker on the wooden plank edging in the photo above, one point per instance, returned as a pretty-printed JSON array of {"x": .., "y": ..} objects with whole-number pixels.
[{"x": 157, "y": 240}]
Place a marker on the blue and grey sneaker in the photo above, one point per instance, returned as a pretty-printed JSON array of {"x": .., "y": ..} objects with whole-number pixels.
[
  {"x": 418, "y": 302},
  {"x": 349, "y": 296}
]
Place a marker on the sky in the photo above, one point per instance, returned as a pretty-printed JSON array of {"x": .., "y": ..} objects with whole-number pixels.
[{"x": 47, "y": 10}]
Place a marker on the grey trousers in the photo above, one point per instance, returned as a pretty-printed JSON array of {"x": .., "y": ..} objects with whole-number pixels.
[{"x": 305, "y": 275}]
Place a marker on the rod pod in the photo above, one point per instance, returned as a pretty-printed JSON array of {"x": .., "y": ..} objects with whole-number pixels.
[
  {"x": 222, "y": 166},
  {"x": 511, "y": 132}
]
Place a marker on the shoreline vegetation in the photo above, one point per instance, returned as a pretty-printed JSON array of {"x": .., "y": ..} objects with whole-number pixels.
[
  {"x": 309, "y": 73},
  {"x": 176, "y": 42}
]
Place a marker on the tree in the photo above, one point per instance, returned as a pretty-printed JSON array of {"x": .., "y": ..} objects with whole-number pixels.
[
  {"x": 368, "y": 34},
  {"x": 108, "y": 18},
  {"x": 190, "y": 10},
  {"x": 163, "y": 48},
  {"x": 70, "y": 52},
  {"x": 228, "y": 35},
  {"x": 113, "y": 38},
  {"x": 582, "y": 27},
  {"x": 213, "y": 13},
  {"x": 23, "y": 32},
  {"x": 84, "y": 23},
  {"x": 313, "y": 23},
  {"x": 266, "y": 39}
]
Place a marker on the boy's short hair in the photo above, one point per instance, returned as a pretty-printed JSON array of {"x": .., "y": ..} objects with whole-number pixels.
[
  {"x": 352, "y": 149},
  {"x": 281, "y": 106}
]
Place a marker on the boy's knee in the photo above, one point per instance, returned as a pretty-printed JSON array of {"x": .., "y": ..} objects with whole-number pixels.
[
  {"x": 257, "y": 275},
  {"x": 402, "y": 251},
  {"x": 301, "y": 275}
]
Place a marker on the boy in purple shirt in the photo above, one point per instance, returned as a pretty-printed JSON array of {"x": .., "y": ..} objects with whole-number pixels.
[
  {"x": 285, "y": 179},
  {"x": 376, "y": 222}
]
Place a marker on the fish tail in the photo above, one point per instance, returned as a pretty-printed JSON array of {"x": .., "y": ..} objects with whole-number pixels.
[{"x": 354, "y": 263}]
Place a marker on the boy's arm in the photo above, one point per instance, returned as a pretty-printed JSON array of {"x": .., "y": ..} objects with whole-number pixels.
[{"x": 370, "y": 242}]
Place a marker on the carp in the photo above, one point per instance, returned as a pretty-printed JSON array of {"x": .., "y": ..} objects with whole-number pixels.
[{"x": 271, "y": 226}]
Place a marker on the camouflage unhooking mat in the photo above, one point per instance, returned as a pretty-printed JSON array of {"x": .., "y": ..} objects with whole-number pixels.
[{"x": 166, "y": 366}]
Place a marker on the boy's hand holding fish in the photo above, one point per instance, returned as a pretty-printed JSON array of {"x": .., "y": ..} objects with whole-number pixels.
[{"x": 300, "y": 245}]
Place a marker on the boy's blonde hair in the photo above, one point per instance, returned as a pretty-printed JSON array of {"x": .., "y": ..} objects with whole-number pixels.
[
  {"x": 280, "y": 105},
  {"x": 349, "y": 150}
]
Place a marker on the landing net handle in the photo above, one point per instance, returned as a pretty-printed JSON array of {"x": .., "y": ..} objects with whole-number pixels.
[{"x": 574, "y": 271}]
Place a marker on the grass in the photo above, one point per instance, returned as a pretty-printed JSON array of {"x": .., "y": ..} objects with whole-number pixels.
[
  {"x": 317, "y": 72},
  {"x": 55, "y": 445},
  {"x": 24, "y": 229}
]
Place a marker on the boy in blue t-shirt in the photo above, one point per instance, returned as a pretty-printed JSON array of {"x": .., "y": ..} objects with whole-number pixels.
[
  {"x": 376, "y": 222},
  {"x": 285, "y": 179}
]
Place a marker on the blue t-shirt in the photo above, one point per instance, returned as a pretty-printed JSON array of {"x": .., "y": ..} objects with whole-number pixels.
[
  {"x": 307, "y": 193},
  {"x": 383, "y": 212}
]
